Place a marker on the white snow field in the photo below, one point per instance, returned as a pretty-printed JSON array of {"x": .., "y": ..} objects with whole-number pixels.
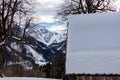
[
  {"x": 94, "y": 44},
  {"x": 25, "y": 78}
]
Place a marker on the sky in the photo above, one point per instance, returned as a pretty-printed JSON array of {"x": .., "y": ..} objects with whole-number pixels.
[
  {"x": 117, "y": 4},
  {"x": 46, "y": 10}
]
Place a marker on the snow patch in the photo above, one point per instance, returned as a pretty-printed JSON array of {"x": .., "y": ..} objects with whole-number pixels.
[
  {"x": 25, "y": 64},
  {"x": 1, "y": 43},
  {"x": 15, "y": 46},
  {"x": 37, "y": 56},
  {"x": 15, "y": 37}
]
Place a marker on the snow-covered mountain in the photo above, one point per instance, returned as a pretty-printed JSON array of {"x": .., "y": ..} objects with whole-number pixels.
[
  {"x": 28, "y": 54},
  {"x": 36, "y": 48},
  {"x": 46, "y": 36}
]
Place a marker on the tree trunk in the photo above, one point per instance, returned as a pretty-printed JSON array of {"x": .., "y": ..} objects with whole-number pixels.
[
  {"x": 1, "y": 59},
  {"x": 89, "y": 6}
]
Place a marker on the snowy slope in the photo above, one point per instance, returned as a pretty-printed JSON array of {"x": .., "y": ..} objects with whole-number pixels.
[
  {"x": 38, "y": 58},
  {"x": 46, "y": 36},
  {"x": 94, "y": 43},
  {"x": 27, "y": 54},
  {"x": 25, "y": 78}
]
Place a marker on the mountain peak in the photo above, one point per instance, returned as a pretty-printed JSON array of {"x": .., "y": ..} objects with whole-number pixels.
[{"x": 46, "y": 36}]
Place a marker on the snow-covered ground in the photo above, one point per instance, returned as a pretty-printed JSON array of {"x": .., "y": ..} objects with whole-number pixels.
[
  {"x": 26, "y": 78},
  {"x": 94, "y": 43}
]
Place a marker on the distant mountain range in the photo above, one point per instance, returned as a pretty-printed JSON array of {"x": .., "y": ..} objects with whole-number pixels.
[
  {"x": 46, "y": 36},
  {"x": 37, "y": 47}
]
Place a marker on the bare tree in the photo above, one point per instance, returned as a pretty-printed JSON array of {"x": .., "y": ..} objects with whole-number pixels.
[
  {"x": 84, "y": 7},
  {"x": 11, "y": 14}
]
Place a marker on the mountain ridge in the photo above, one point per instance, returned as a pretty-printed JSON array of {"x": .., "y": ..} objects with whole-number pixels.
[{"x": 46, "y": 36}]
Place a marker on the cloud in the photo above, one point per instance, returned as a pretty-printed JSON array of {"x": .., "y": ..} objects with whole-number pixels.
[
  {"x": 117, "y": 4},
  {"x": 45, "y": 10},
  {"x": 55, "y": 2},
  {"x": 59, "y": 28}
]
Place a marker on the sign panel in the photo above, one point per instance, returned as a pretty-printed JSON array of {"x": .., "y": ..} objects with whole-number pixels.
[{"x": 94, "y": 43}]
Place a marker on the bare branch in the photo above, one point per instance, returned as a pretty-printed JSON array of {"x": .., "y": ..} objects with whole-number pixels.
[{"x": 83, "y": 7}]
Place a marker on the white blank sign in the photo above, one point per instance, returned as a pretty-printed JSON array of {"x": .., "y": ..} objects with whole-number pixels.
[{"x": 94, "y": 43}]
